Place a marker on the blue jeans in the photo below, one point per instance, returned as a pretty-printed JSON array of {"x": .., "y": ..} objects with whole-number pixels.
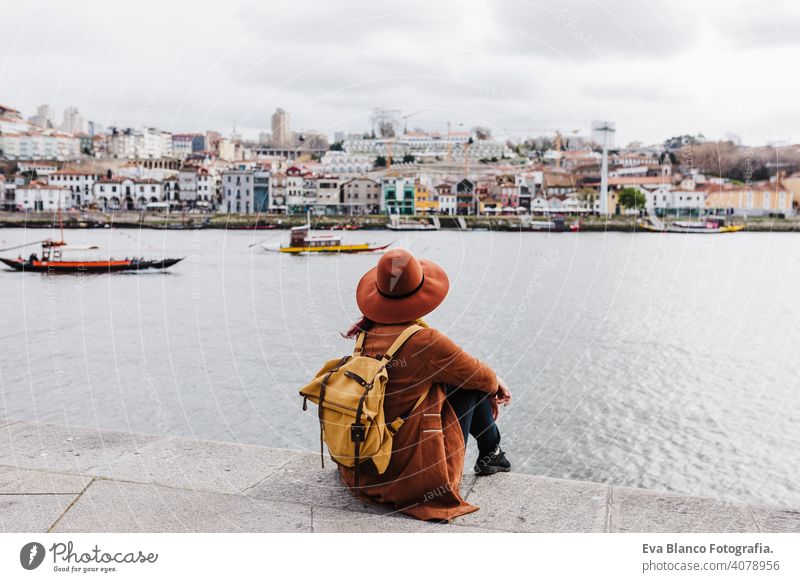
[{"x": 475, "y": 417}]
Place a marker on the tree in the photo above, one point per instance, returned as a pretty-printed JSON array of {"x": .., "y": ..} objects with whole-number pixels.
[
  {"x": 631, "y": 198},
  {"x": 380, "y": 162},
  {"x": 336, "y": 146},
  {"x": 483, "y": 133},
  {"x": 409, "y": 159}
]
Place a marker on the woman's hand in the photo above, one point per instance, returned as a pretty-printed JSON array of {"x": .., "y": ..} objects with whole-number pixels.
[{"x": 502, "y": 396}]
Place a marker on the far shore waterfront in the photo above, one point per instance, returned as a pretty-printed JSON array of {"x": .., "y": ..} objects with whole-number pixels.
[{"x": 95, "y": 219}]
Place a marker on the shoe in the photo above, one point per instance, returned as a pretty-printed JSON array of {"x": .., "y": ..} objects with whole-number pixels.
[{"x": 492, "y": 463}]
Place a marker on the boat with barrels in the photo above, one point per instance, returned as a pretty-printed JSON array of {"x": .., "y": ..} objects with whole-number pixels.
[{"x": 301, "y": 241}]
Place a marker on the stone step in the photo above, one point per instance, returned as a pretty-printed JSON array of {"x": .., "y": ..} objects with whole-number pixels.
[{"x": 59, "y": 478}]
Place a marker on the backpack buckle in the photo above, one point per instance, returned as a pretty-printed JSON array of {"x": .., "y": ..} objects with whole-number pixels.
[{"x": 358, "y": 432}]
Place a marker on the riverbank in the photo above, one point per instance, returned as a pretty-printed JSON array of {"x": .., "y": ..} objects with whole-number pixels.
[
  {"x": 55, "y": 478},
  {"x": 94, "y": 219}
]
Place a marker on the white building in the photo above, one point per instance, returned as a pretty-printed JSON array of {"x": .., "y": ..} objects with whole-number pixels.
[
  {"x": 197, "y": 185},
  {"x": 544, "y": 204},
  {"x": 446, "y": 193},
  {"x": 73, "y": 122},
  {"x": 80, "y": 183},
  {"x": 666, "y": 198},
  {"x": 131, "y": 143},
  {"x": 336, "y": 162},
  {"x": 238, "y": 191},
  {"x": 46, "y": 145},
  {"x": 145, "y": 192},
  {"x": 281, "y": 134},
  {"x": 120, "y": 193},
  {"x": 328, "y": 191},
  {"x": 41, "y": 168},
  {"x": 447, "y": 204},
  {"x": 38, "y": 196},
  {"x": 297, "y": 192},
  {"x": 187, "y": 183}
]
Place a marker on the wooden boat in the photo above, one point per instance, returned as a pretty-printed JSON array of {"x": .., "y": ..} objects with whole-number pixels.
[
  {"x": 301, "y": 242},
  {"x": 707, "y": 225},
  {"x": 396, "y": 223},
  {"x": 53, "y": 260},
  {"x": 555, "y": 224}
]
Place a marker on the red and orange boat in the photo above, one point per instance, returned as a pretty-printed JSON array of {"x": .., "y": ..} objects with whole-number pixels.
[{"x": 53, "y": 261}]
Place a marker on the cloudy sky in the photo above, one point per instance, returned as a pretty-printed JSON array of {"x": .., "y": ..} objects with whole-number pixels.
[{"x": 656, "y": 68}]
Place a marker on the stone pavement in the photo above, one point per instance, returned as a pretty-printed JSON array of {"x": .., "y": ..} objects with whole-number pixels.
[{"x": 64, "y": 479}]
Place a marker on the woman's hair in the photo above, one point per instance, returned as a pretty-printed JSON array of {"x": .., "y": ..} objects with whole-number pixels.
[{"x": 363, "y": 324}]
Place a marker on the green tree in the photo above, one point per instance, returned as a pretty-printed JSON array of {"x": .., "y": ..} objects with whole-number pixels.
[
  {"x": 336, "y": 146},
  {"x": 380, "y": 162},
  {"x": 409, "y": 159},
  {"x": 631, "y": 198}
]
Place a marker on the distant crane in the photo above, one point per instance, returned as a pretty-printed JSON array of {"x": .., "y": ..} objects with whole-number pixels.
[
  {"x": 388, "y": 154},
  {"x": 405, "y": 120}
]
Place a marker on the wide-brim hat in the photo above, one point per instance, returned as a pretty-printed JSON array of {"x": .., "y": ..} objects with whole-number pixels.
[{"x": 401, "y": 288}]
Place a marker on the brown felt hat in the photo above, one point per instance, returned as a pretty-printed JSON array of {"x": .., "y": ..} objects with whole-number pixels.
[{"x": 401, "y": 288}]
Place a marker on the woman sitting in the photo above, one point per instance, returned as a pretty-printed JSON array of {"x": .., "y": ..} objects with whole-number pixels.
[{"x": 463, "y": 394}]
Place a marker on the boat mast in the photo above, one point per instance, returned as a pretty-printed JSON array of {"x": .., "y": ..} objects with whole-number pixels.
[{"x": 60, "y": 218}]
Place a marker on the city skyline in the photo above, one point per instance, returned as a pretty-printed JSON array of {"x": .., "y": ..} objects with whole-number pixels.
[{"x": 511, "y": 67}]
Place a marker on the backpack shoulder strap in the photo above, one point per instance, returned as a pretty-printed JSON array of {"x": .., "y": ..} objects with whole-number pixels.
[
  {"x": 359, "y": 343},
  {"x": 398, "y": 343},
  {"x": 400, "y": 420}
]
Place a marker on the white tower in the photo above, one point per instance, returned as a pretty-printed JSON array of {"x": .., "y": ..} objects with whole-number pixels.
[
  {"x": 280, "y": 128},
  {"x": 73, "y": 122},
  {"x": 605, "y": 129}
]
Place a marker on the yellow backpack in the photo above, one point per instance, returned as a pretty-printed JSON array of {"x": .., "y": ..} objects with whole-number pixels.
[{"x": 349, "y": 393}]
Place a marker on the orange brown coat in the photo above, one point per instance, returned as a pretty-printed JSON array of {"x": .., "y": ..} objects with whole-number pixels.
[{"x": 424, "y": 474}]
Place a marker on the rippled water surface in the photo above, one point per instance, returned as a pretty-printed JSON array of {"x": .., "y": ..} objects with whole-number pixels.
[{"x": 645, "y": 360}]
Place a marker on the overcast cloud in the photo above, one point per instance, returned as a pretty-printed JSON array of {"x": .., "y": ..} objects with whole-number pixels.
[{"x": 656, "y": 68}]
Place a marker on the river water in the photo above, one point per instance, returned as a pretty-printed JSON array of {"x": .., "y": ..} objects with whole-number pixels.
[{"x": 660, "y": 361}]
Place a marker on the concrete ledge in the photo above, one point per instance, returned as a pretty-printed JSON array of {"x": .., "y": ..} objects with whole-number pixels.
[{"x": 64, "y": 479}]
